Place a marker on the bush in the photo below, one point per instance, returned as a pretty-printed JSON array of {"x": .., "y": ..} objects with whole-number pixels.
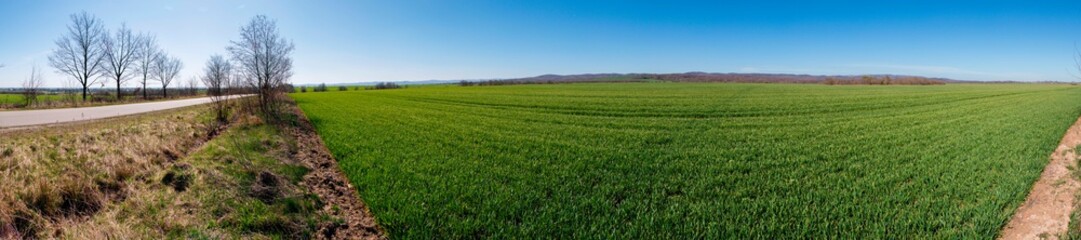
[
  {"x": 384, "y": 85},
  {"x": 343, "y": 88}
]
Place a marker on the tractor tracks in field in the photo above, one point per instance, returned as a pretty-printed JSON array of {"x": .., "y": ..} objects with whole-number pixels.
[{"x": 1047, "y": 209}]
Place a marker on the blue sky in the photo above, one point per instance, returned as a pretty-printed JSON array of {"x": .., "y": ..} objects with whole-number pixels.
[{"x": 357, "y": 41}]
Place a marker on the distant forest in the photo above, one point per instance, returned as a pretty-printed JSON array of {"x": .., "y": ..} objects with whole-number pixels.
[{"x": 722, "y": 78}]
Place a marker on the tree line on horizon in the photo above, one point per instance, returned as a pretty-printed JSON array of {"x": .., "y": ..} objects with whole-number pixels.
[{"x": 715, "y": 78}]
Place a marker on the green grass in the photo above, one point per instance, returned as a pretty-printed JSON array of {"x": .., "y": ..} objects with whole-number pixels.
[
  {"x": 12, "y": 98},
  {"x": 670, "y": 160},
  {"x": 8, "y": 98},
  {"x": 236, "y": 158}
]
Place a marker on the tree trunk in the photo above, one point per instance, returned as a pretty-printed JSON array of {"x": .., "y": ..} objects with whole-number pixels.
[
  {"x": 145, "y": 97},
  {"x": 84, "y": 93},
  {"x": 164, "y": 93},
  {"x": 118, "y": 90}
]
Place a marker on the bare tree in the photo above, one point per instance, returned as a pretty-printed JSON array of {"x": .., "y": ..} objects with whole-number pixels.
[
  {"x": 79, "y": 53},
  {"x": 216, "y": 77},
  {"x": 121, "y": 52},
  {"x": 192, "y": 86},
  {"x": 166, "y": 69},
  {"x": 148, "y": 55},
  {"x": 263, "y": 59},
  {"x": 32, "y": 86}
]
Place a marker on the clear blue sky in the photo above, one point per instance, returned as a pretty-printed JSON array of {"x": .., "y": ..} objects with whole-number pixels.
[{"x": 355, "y": 41}]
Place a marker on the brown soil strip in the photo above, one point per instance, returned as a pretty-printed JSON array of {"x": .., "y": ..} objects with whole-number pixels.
[
  {"x": 1046, "y": 211},
  {"x": 328, "y": 182}
]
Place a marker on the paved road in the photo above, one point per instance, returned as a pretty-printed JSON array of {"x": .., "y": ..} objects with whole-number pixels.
[{"x": 62, "y": 115}]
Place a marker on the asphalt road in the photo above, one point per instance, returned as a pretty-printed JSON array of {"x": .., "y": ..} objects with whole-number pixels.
[{"x": 62, "y": 115}]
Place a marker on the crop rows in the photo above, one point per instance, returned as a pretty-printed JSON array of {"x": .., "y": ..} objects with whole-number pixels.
[{"x": 668, "y": 160}]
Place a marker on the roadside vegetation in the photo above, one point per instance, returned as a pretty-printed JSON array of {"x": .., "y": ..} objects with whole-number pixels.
[
  {"x": 82, "y": 180},
  {"x": 165, "y": 175},
  {"x": 685, "y": 160}
]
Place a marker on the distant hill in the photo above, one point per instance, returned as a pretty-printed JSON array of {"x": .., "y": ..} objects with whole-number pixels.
[{"x": 873, "y": 79}]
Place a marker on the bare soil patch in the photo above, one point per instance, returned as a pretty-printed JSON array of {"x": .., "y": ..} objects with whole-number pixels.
[
  {"x": 1046, "y": 211},
  {"x": 328, "y": 182}
]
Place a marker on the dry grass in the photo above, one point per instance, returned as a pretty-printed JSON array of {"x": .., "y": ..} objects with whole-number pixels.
[
  {"x": 69, "y": 180},
  {"x": 156, "y": 176}
]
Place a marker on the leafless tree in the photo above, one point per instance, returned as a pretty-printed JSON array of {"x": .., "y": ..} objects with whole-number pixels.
[
  {"x": 263, "y": 60},
  {"x": 32, "y": 86},
  {"x": 192, "y": 86},
  {"x": 148, "y": 54},
  {"x": 216, "y": 77},
  {"x": 121, "y": 53},
  {"x": 79, "y": 53},
  {"x": 217, "y": 73},
  {"x": 166, "y": 69}
]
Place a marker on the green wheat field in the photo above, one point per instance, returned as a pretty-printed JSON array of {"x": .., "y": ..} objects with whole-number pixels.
[{"x": 683, "y": 160}]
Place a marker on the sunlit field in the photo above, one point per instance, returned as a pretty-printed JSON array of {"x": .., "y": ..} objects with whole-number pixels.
[{"x": 671, "y": 160}]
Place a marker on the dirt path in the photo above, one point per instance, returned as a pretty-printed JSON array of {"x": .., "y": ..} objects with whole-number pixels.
[
  {"x": 328, "y": 182},
  {"x": 1046, "y": 211}
]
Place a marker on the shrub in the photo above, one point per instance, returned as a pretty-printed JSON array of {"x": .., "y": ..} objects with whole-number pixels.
[{"x": 384, "y": 85}]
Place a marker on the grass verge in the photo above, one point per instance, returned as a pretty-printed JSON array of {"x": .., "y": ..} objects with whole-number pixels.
[{"x": 172, "y": 174}]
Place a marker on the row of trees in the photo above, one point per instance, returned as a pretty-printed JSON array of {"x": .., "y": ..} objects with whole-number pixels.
[
  {"x": 383, "y": 85},
  {"x": 260, "y": 62},
  {"x": 322, "y": 87},
  {"x": 89, "y": 53},
  {"x": 883, "y": 80}
]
